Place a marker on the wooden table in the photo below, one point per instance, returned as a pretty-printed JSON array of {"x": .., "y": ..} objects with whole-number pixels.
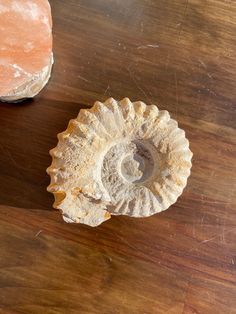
[{"x": 181, "y": 56}]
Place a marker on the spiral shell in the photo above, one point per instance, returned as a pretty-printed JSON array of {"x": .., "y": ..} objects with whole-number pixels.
[{"x": 118, "y": 158}]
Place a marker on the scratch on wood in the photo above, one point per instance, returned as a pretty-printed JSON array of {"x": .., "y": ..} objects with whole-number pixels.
[
  {"x": 186, "y": 295},
  {"x": 127, "y": 243},
  {"x": 222, "y": 235},
  {"x": 202, "y": 63},
  {"x": 176, "y": 93},
  {"x": 211, "y": 239},
  {"x": 183, "y": 20},
  {"x": 141, "y": 27},
  {"x": 82, "y": 78},
  {"x": 212, "y": 174},
  {"x": 167, "y": 61},
  {"x": 148, "y": 46},
  {"x": 108, "y": 87},
  {"x": 202, "y": 219},
  {"x": 12, "y": 159},
  {"x": 38, "y": 233},
  {"x": 211, "y": 92},
  {"x": 134, "y": 80},
  {"x": 208, "y": 240},
  {"x": 209, "y": 75}
]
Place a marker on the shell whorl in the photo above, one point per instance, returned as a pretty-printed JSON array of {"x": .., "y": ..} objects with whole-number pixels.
[{"x": 118, "y": 158}]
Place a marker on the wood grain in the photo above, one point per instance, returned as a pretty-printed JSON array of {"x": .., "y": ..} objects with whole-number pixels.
[{"x": 179, "y": 55}]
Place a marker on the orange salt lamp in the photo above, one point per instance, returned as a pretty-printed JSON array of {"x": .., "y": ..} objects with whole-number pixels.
[{"x": 25, "y": 48}]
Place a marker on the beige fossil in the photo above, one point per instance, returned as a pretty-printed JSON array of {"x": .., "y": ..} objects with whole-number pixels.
[{"x": 118, "y": 158}]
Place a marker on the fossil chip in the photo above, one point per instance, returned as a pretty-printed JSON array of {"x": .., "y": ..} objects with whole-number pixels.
[{"x": 118, "y": 158}]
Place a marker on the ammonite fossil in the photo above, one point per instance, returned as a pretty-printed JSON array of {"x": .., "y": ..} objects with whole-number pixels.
[{"x": 118, "y": 158}]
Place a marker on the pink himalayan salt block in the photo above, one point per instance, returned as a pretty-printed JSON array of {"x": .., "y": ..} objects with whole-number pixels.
[{"x": 25, "y": 48}]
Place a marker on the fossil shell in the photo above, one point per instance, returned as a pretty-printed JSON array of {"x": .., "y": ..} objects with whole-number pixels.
[{"x": 118, "y": 158}]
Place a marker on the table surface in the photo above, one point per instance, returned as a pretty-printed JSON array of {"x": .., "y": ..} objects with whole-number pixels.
[{"x": 179, "y": 55}]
